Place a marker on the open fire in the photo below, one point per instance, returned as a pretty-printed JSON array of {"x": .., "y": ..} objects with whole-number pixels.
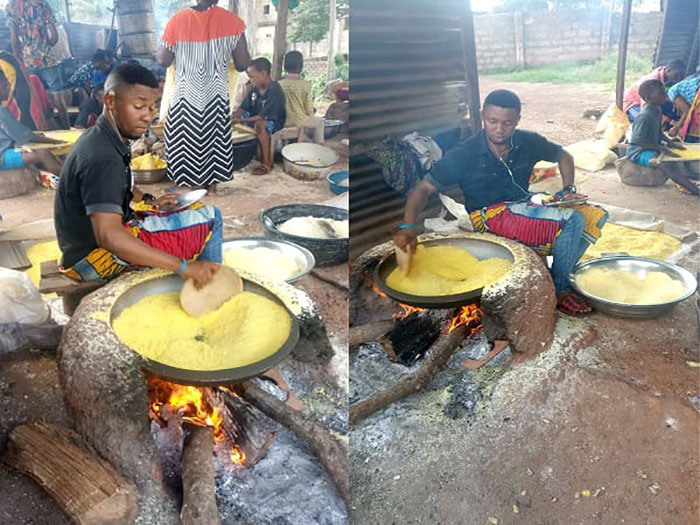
[{"x": 189, "y": 403}]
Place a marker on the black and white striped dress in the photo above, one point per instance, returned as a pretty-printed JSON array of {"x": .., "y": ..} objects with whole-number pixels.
[{"x": 198, "y": 127}]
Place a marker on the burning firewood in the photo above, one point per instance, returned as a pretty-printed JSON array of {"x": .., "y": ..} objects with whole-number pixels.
[
  {"x": 410, "y": 337},
  {"x": 87, "y": 488},
  {"x": 198, "y": 493},
  {"x": 365, "y": 333},
  {"x": 332, "y": 452},
  {"x": 438, "y": 356}
]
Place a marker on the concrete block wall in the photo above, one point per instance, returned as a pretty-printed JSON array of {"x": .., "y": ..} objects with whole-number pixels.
[{"x": 511, "y": 40}]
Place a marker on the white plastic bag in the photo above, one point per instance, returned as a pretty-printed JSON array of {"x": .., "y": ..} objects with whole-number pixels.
[{"x": 20, "y": 301}]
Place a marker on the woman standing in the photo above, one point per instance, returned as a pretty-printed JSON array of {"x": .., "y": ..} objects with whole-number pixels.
[{"x": 201, "y": 40}]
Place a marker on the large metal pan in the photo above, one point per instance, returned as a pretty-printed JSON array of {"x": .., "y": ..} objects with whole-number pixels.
[
  {"x": 481, "y": 249},
  {"x": 640, "y": 266},
  {"x": 182, "y": 376}
]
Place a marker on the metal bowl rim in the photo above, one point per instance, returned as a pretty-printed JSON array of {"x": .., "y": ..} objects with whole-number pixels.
[
  {"x": 344, "y": 240},
  {"x": 311, "y": 168},
  {"x": 430, "y": 301},
  {"x": 221, "y": 376},
  {"x": 305, "y": 252},
  {"x": 595, "y": 262}
]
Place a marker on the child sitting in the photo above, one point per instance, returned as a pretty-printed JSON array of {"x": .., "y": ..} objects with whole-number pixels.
[
  {"x": 299, "y": 101},
  {"x": 648, "y": 141},
  {"x": 14, "y": 134},
  {"x": 262, "y": 109},
  {"x": 91, "y": 109}
]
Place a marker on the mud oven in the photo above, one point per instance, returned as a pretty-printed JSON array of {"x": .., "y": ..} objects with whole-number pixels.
[{"x": 186, "y": 444}]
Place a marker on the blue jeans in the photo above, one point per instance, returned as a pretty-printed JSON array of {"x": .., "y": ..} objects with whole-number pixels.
[{"x": 212, "y": 251}]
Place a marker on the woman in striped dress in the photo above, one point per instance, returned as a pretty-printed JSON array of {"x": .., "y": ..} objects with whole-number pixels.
[{"x": 201, "y": 40}]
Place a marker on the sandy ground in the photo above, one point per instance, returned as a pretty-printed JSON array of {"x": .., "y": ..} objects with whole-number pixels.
[{"x": 29, "y": 388}]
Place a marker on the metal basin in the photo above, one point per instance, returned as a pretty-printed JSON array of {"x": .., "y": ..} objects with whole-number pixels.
[
  {"x": 174, "y": 283},
  {"x": 639, "y": 265},
  {"x": 303, "y": 258},
  {"x": 481, "y": 249}
]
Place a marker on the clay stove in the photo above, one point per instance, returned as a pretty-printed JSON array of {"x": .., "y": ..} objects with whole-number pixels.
[{"x": 128, "y": 417}]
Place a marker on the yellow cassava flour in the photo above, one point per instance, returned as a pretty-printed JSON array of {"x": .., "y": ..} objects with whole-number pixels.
[
  {"x": 446, "y": 270},
  {"x": 267, "y": 262},
  {"x": 624, "y": 286},
  {"x": 245, "y": 329},
  {"x": 639, "y": 243}
]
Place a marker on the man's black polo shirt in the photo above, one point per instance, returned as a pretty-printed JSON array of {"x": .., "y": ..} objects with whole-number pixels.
[
  {"x": 483, "y": 178},
  {"x": 96, "y": 177}
]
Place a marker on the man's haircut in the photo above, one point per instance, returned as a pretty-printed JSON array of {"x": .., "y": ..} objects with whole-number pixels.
[
  {"x": 503, "y": 99},
  {"x": 261, "y": 64},
  {"x": 648, "y": 87},
  {"x": 676, "y": 65},
  {"x": 293, "y": 62},
  {"x": 128, "y": 75}
]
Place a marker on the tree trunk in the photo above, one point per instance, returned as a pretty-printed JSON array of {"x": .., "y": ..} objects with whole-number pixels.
[
  {"x": 280, "y": 39},
  {"x": 331, "y": 43}
]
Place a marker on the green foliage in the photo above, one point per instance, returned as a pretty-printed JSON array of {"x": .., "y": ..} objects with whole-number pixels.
[
  {"x": 342, "y": 68},
  {"x": 318, "y": 86},
  {"x": 310, "y": 21},
  {"x": 601, "y": 72}
]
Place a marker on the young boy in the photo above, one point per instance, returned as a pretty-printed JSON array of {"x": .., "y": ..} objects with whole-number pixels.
[
  {"x": 14, "y": 134},
  {"x": 648, "y": 139},
  {"x": 299, "y": 101},
  {"x": 262, "y": 109},
  {"x": 91, "y": 109}
]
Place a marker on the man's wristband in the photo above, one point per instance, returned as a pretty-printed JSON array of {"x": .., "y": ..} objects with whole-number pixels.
[
  {"x": 407, "y": 226},
  {"x": 183, "y": 267}
]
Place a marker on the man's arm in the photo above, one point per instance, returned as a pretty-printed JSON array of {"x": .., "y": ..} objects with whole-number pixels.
[
  {"x": 241, "y": 56},
  {"x": 113, "y": 237},
  {"x": 165, "y": 57},
  {"x": 566, "y": 168},
  {"x": 415, "y": 204}
]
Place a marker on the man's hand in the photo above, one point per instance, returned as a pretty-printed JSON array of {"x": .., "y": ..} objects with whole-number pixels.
[
  {"x": 406, "y": 239},
  {"x": 200, "y": 271}
]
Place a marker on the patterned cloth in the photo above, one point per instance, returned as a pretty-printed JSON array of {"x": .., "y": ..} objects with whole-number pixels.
[
  {"x": 186, "y": 234},
  {"x": 401, "y": 168},
  {"x": 198, "y": 127},
  {"x": 33, "y": 19},
  {"x": 82, "y": 78},
  {"x": 690, "y": 130},
  {"x": 299, "y": 100},
  {"x": 24, "y": 101},
  {"x": 565, "y": 233},
  {"x": 686, "y": 88}
]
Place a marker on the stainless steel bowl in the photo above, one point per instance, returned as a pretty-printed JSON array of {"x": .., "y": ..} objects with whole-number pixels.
[
  {"x": 149, "y": 176},
  {"x": 300, "y": 255},
  {"x": 636, "y": 265}
]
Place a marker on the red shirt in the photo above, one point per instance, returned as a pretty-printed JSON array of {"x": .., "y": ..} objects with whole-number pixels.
[{"x": 632, "y": 97}]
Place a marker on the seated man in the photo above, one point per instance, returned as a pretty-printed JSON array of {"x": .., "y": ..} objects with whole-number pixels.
[
  {"x": 263, "y": 109},
  {"x": 493, "y": 169},
  {"x": 91, "y": 109},
  {"x": 14, "y": 134},
  {"x": 97, "y": 232},
  {"x": 668, "y": 75},
  {"x": 648, "y": 140}
]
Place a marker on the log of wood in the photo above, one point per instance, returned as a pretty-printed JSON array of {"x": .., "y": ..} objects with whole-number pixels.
[
  {"x": 87, "y": 488},
  {"x": 410, "y": 338},
  {"x": 365, "y": 333},
  {"x": 198, "y": 492},
  {"x": 335, "y": 284},
  {"x": 438, "y": 356},
  {"x": 330, "y": 450},
  {"x": 253, "y": 438}
]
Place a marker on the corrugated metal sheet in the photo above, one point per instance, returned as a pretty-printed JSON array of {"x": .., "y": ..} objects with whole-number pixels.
[
  {"x": 84, "y": 38},
  {"x": 407, "y": 74},
  {"x": 679, "y": 38}
]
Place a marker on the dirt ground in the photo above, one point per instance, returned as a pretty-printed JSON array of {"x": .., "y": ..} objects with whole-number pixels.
[{"x": 29, "y": 387}]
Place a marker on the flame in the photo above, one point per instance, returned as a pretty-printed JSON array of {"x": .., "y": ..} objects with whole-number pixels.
[
  {"x": 406, "y": 310},
  {"x": 469, "y": 315},
  {"x": 190, "y": 404},
  {"x": 376, "y": 290}
]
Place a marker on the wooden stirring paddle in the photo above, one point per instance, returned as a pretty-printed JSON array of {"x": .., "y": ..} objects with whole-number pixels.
[
  {"x": 403, "y": 259},
  {"x": 224, "y": 284}
]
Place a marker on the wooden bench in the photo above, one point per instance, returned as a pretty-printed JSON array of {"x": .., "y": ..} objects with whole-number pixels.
[{"x": 70, "y": 291}]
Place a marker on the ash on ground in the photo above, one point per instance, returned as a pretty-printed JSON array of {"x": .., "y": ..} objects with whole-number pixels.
[
  {"x": 289, "y": 486},
  {"x": 456, "y": 390}
]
